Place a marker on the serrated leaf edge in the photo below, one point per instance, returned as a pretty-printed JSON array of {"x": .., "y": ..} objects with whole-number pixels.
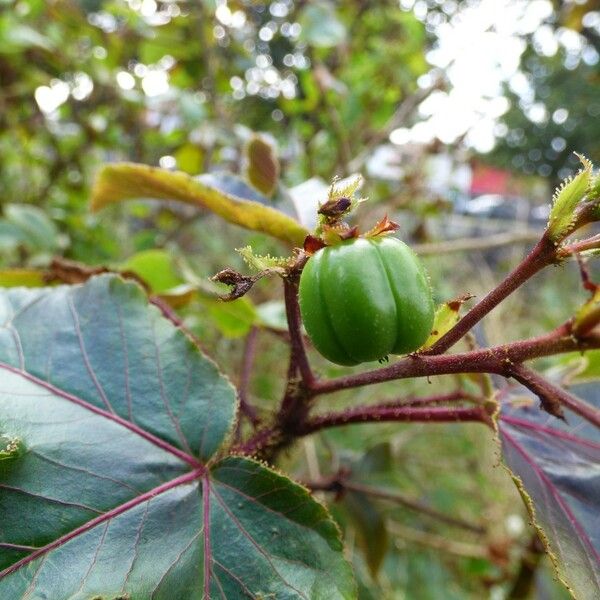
[{"x": 529, "y": 505}]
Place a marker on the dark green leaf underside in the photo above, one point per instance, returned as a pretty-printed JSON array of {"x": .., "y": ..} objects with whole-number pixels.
[{"x": 557, "y": 464}]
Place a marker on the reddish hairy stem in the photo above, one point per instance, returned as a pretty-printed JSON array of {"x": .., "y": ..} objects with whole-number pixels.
[
  {"x": 372, "y": 414},
  {"x": 502, "y": 360},
  {"x": 246, "y": 407},
  {"x": 543, "y": 254},
  {"x": 296, "y": 400},
  {"x": 269, "y": 434},
  {"x": 543, "y": 388},
  {"x": 257, "y": 442},
  {"x": 456, "y": 396},
  {"x": 496, "y": 359},
  {"x": 292, "y": 311},
  {"x": 591, "y": 243}
]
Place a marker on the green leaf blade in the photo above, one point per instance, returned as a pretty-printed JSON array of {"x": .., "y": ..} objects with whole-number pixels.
[
  {"x": 54, "y": 487},
  {"x": 292, "y": 549},
  {"x": 134, "y": 549}
]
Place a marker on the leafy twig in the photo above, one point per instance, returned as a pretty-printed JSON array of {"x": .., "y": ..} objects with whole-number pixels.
[{"x": 402, "y": 113}]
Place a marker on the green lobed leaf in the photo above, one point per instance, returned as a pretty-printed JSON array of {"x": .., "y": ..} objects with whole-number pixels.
[
  {"x": 125, "y": 181},
  {"x": 103, "y": 343},
  {"x": 116, "y": 484}
]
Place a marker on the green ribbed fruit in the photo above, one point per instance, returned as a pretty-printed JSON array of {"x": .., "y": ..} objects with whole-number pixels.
[{"x": 364, "y": 299}]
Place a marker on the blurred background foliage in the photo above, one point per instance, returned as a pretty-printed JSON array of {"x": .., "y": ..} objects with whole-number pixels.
[{"x": 332, "y": 88}]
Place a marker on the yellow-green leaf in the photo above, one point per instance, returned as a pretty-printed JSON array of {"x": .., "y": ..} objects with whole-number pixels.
[
  {"x": 126, "y": 181},
  {"x": 156, "y": 267},
  {"x": 588, "y": 316},
  {"x": 566, "y": 198},
  {"x": 179, "y": 296},
  {"x": 233, "y": 319},
  {"x": 190, "y": 158},
  {"x": 446, "y": 316}
]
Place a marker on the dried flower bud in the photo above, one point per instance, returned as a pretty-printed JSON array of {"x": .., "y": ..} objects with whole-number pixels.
[{"x": 335, "y": 208}]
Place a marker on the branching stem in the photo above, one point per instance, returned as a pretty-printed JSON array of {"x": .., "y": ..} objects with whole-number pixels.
[
  {"x": 544, "y": 389},
  {"x": 542, "y": 255},
  {"x": 497, "y": 359},
  {"x": 374, "y": 414},
  {"x": 293, "y": 418}
]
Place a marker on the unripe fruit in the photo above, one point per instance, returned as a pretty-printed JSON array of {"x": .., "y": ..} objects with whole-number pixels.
[{"x": 365, "y": 298}]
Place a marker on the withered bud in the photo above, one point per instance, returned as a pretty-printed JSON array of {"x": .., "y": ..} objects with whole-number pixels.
[
  {"x": 240, "y": 284},
  {"x": 335, "y": 207}
]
